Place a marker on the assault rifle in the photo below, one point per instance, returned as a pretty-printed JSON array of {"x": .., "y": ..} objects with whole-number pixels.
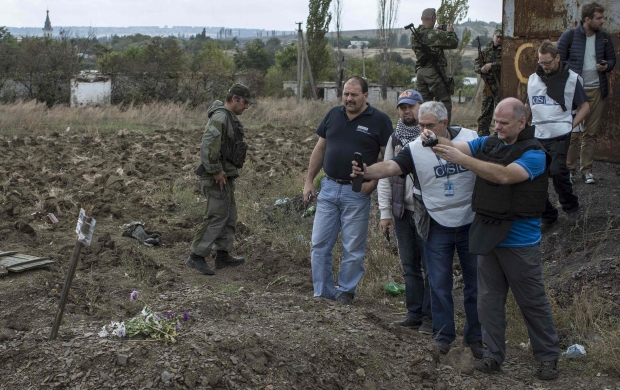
[
  {"x": 483, "y": 76},
  {"x": 428, "y": 53}
]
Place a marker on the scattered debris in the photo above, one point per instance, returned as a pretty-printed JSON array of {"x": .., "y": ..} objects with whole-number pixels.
[
  {"x": 574, "y": 350},
  {"x": 135, "y": 229},
  {"x": 17, "y": 262}
]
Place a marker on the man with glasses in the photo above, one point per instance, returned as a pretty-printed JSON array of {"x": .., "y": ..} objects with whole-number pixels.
[
  {"x": 221, "y": 155},
  {"x": 557, "y": 103},
  {"x": 431, "y": 84},
  {"x": 590, "y": 53},
  {"x": 443, "y": 216}
]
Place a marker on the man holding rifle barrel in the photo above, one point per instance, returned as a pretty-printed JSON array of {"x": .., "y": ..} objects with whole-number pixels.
[{"x": 488, "y": 66}]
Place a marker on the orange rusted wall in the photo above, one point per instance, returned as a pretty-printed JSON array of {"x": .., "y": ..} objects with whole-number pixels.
[{"x": 526, "y": 23}]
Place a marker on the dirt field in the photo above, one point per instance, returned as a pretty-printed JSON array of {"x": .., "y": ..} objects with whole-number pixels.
[{"x": 256, "y": 326}]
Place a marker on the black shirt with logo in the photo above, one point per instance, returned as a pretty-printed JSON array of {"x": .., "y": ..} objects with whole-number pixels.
[{"x": 366, "y": 133}]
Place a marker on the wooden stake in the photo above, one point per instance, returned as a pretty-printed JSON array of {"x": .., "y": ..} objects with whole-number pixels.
[
  {"x": 300, "y": 63},
  {"x": 303, "y": 42},
  {"x": 75, "y": 258}
]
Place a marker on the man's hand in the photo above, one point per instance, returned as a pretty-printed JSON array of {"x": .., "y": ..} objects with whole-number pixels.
[
  {"x": 449, "y": 153},
  {"x": 450, "y": 27},
  {"x": 426, "y": 134},
  {"x": 309, "y": 192},
  {"x": 486, "y": 68},
  {"x": 357, "y": 170},
  {"x": 369, "y": 187},
  {"x": 386, "y": 224},
  {"x": 601, "y": 68},
  {"x": 220, "y": 179}
]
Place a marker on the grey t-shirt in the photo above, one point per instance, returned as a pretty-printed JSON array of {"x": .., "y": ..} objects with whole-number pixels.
[{"x": 590, "y": 74}]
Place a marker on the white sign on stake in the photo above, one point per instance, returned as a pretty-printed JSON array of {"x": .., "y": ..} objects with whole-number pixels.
[{"x": 85, "y": 236}]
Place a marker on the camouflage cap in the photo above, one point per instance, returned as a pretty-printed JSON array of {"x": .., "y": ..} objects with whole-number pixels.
[
  {"x": 242, "y": 91},
  {"x": 498, "y": 32}
]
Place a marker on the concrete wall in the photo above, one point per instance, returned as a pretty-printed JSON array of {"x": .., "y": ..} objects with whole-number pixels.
[{"x": 85, "y": 93}]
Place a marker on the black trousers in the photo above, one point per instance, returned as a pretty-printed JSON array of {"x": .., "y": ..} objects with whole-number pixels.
[{"x": 559, "y": 173}]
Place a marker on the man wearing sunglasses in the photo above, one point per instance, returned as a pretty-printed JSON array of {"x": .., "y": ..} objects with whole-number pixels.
[
  {"x": 557, "y": 103},
  {"x": 222, "y": 153}
]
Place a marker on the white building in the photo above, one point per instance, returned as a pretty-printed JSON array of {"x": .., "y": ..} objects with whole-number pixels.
[
  {"x": 89, "y": 89},
  {"x": 328, "y": 91},
  {"x": 47, "y": 28}
]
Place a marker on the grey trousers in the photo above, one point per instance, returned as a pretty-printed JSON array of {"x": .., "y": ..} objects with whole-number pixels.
[
  {"x": 217, "y": 230},
  {"x": 521, "y": 270}
]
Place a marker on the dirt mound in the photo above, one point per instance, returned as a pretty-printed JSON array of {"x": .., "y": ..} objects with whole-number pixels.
[{"x": 252, "y": 327}]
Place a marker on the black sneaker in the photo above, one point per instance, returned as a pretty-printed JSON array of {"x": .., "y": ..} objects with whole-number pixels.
[
  {"x": 345, "y": 298},
  {"x": 443, "y": 345},
  {"x": 427, "y": 326},
  {"x": 223, "y": 259},
  {"x": 199, "y": 263},
  {"x": 476, "y": 348},
  {"x": 409, "y": 323},
  {"x": 546, "y": 222},
  {"x": 548, "y": 370},
  {"x": 487, "y": 365}
]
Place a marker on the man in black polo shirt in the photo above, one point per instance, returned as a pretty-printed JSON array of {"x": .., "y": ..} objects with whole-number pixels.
[{"x": 353, "y": 127}]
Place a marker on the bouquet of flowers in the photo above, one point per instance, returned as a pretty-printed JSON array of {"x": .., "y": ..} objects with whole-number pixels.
[{"x": 148, "y": 324}]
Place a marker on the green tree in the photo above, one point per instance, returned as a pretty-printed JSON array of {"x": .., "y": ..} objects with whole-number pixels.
[
  {"x": 286, "y": 59},
  {"x": 255, "y": 56},
  {"x": 317, "y": 25},
  {"x": 452, "y": 11}
]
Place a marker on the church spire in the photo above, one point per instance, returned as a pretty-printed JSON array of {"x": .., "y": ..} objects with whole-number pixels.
[{"x": 47, "y": 29}]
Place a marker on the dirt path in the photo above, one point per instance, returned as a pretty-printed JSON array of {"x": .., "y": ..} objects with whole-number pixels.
[{"x": 254, "y": 327}]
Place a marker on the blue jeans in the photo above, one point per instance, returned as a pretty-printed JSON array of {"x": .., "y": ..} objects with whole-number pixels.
[
  {"x": 411, "y": 251},
  {"x": 439, "y": 251},
  {"x": 339, "y": 208}
]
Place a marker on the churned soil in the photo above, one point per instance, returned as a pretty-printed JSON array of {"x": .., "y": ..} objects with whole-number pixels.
[{"x": 256, "y": 326}]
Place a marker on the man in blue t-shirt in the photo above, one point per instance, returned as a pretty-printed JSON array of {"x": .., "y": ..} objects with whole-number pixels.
[
  {"x": 509, "y": 198},
  {"x": 352, "y": 127}
]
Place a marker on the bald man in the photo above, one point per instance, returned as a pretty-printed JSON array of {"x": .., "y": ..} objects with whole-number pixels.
[{"x": 509, "y": 198}]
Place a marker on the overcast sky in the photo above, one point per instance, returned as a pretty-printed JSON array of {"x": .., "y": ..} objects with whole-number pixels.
[{"x": 265, "y": 14}]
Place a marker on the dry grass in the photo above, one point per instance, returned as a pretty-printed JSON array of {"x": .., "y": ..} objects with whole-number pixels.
[{"x": 35, "y": 118}]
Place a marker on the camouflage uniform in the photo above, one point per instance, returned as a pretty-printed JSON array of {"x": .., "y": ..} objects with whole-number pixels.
[
  {"x": 217, "y": 230},
  {"x": 429, "y": 83},
  {"x": 491, "y": 54}
]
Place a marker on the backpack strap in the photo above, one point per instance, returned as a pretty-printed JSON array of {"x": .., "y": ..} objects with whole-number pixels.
[{"x": 571, "y": 37}]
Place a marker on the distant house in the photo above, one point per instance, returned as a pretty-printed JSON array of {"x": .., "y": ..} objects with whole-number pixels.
[
  {"x": 328, "y": 91},
  {"x": 90, "y": 89},
  {"x": 358, "y": 44}
]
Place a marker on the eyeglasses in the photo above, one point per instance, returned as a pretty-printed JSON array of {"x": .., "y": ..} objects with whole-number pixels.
[{"x": 547, "y": 63}]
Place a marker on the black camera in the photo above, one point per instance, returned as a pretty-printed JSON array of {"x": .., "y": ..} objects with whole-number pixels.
[
  {"x": 430, "y": 142},
  {"x": 443, "y": 27}
]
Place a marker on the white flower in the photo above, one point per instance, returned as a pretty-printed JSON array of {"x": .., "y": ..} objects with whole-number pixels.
[{"x": 103, "y": 333}]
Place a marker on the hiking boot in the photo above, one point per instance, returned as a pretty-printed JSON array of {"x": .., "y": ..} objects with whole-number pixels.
[
  {"x": 588, "y": 178},
  {"x": 476, "y": 348},
  {"x": 546, "y": 222},
  {"x": 223, "y": 259},
  {"x": 487, "y": 365},
  {"x": 573, "y": 215},
  {"x": 427, "y": 326},
  {"x": 408, "y": 323},
  {"x": 345, "y": 298},
  {"x": 548, "y": 370},
  {"x": 199, "y": 263},
  {"x": 443, "y": 345}
]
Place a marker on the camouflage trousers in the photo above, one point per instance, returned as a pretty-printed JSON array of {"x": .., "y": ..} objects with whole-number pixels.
[
  {"x": 431, "y": 87},
  {"x": 217, "y": 230},
  {"x": 488, "y": 108}
]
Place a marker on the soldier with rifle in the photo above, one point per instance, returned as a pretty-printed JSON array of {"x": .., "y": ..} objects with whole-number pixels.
[
  {"x": 488, "y": 66},
  {"x": 428, "y": 43}
]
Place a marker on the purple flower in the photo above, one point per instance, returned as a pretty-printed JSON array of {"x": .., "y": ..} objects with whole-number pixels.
[
  {"x": 133, "y": 295},
  {"x": 159, "y": 326},
  {"x": 169, "y": 315},
  {"x": 185, "y": 316}
]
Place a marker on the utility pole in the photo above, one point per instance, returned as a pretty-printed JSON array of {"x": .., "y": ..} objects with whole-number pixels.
[
  {"x": 300, "y": 68},
  {"x": 363, "y": 62},
  {"x": 303, "y": 42}
]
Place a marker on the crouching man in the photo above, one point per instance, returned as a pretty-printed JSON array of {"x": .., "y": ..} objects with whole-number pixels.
[{"x": 509, "y": 198}]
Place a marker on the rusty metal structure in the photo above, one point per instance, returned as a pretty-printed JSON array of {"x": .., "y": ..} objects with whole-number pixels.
[{"x": 526, "y": 23}]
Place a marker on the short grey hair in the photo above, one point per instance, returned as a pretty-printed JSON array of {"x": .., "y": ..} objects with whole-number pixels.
[
  {"x": 428, "y": 14},
  {"x": 519, "y": 111},
  {"x": 437, "y": 109}
]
